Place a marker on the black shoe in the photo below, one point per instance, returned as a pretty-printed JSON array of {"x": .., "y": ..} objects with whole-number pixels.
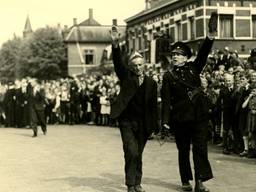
[
  {"x": 45, "y": 132},
  {"x": 138, "y": 188},
  {"x": 244, "y": 153},
  {"x": 186, "y": 186},
  {"x": 200, "y": 187},
  {"x": 34, "y": 135},
  {"x": 131, "y": 189}
]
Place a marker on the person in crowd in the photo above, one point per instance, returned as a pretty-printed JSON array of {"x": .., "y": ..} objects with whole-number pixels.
[
  {"x": 18, "y": 105},
  {"x": 95, "y": 104},
  {"x": 74, "y": 103},
  {"x": 84, "y": 98},
  {"x": 57, "y": 106},
  {"x": 50, "y": 98},
  {"x": 23, "y": 97},
  {"x": 227, "y": 105},
  {"x": 136, "y": 109},
  {"x": 64, "y": 103},
  {"x": 2, "y": 96},
  {"x": 241, "y": 91},
  {"x": 186, "y": 106},
  {"x": 250, "y": 135},
  {"x": 219, "y": 60},
  {"x": 9, "y": 105},
  {"x": 252, "y": 59},
  {"x": 105, "y": 106}
]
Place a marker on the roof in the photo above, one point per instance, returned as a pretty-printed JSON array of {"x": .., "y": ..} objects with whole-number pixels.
[
  {"x": 89, "y": 22},
  {"x": 157, "y": 6},
  {"x": 91, "y": 34}
]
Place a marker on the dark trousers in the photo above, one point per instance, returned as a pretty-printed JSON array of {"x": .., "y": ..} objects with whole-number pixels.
[
  {"x": 38, "y": 118},
  {"x": 134, "y": 140},
  {"x": 227, "y": 127},
  {"x": 195, "y": 133}
]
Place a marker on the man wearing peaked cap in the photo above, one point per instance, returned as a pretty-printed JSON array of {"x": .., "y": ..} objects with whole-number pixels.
[
  {"x": 136, "y": 109},
  {"x": 181, "y": 48},
  {"x": 184, "y": 106}
]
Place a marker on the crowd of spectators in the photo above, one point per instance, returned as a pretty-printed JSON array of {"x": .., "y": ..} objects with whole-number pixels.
[{"x": 228, "y": 81}]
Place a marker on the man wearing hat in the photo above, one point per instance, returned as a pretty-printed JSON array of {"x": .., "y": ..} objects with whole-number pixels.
[
  {"x": 252, "y": 59},
  {"x": 184, "y": 106},
  {"x": 136, "y": 109}
]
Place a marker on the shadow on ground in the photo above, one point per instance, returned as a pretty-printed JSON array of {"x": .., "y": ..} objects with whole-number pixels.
[{"x": 111, "y": 182}]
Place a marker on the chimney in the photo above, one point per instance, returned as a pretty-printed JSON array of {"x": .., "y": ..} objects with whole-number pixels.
[
  {"x": 74, "y": 21},
  {"x": 90, "y": 14},
  {"x": 114, "y": 22},
  {"x": 148, "y": 4}
]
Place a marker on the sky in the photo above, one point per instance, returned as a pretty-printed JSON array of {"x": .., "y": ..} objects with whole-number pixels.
[{"x": 13, "y": 13}]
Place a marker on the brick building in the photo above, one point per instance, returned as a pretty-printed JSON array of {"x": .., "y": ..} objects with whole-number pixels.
[
  {"x": 87, "y": 44},
  {"x": 186, "y": 20}
]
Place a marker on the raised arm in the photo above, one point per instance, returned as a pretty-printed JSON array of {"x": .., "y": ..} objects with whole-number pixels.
[
  {"x": 118, "y": 60},
  {"x": 205, "y": 49}
]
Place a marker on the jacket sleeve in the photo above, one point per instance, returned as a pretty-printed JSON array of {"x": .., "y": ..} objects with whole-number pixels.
[
  {"x": 118, "y": 61},
  {"x": 203, "y": 53},
  {"x": 166, "y": 100}
]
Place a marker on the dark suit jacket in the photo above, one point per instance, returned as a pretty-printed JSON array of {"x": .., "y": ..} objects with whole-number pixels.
[
  {"x": 129, "y": 85},
  {"x": 176, "y": 104},
  {"x": 39, "y": 101}
]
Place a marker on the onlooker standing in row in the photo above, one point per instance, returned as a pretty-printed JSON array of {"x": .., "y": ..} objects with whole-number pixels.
[{"x": 227, "y": 106}]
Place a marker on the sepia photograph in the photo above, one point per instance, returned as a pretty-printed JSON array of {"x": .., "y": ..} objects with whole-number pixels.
[{"x": 128, "y": 96}]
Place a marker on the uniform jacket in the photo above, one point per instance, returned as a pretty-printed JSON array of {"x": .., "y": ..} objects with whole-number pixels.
[
  {"x": 38, "y": 100},
  {"x": 177, "y": 106},
  {"x": 129, "y": 84}
]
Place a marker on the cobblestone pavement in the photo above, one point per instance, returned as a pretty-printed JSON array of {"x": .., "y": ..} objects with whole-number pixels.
[{"x": 90, "y": 159}]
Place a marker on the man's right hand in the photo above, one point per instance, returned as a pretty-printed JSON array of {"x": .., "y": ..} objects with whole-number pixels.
[{"x": 115, "y": 35}]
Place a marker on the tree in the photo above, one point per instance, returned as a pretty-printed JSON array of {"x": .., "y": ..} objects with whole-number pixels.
[
  {"x": 9, "y": 59},
  {"x": 44, "y": 55}
]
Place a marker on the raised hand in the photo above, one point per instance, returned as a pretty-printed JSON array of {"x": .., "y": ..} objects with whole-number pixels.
[
  {"x": 115, "y": 35},
  {"x": 213, "y": 24}
]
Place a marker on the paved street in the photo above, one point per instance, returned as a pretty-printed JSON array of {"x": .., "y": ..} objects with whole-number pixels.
[{"x": 90, "y": 159}]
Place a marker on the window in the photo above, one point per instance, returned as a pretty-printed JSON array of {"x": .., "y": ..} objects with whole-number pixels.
[
  {"x": 254, "y": 26},
  {"x": 133, "y": 44},
  {"x": 145, "y": 41},
  {"x": 140, "y": 43},
  {"x": 226, "y": 26},
  {"x": 192, "y": 27},
  {"x": 89, "y": 57},
  {"x": 179, "y": 35},
  {"x": 167, "y": 32}
]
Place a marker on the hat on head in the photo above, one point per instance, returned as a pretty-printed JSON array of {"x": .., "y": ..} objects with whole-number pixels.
[
  {"x": 253, "y": 52},
  {"x": 181, "y": 48},
  {"x": 134, "y": 55},
  {"x": 252, "y": 57}
]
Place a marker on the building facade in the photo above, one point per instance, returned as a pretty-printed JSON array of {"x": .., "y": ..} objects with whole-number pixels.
[
  {"x": 187, "y": 20},
  {"x": 88, "y": 44}
]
